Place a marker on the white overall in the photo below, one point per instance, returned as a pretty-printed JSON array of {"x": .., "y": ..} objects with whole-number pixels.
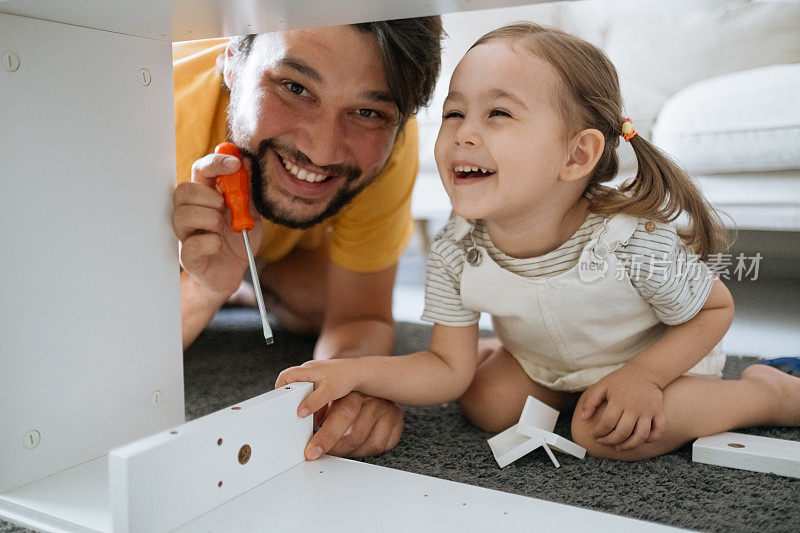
[{"x": 569, "y": 331}]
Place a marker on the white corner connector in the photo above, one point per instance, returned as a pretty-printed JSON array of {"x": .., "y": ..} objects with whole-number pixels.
[{"x": 534, "y": 430}]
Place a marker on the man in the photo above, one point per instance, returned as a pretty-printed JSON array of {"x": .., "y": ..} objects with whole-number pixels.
[{"x": 323, "y": 119}]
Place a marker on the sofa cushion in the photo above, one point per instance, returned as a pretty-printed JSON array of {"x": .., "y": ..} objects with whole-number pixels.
[
  {"x": 661, "y": 47},
  {"x": 666, "y": 46},
  {"x": 745, "y": 121}
]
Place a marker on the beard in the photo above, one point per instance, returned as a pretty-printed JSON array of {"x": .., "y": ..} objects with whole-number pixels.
[{"x": 353, "y": 184}]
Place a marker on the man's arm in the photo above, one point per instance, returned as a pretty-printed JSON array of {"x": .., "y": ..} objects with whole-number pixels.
[
  {"x": 198, "y": 307},
  {"x": 212, "y": 256},
  {"x": 358, "y": 318},
  {"x": 358, "y": 322},
  {"x": 358, "y": 315}
]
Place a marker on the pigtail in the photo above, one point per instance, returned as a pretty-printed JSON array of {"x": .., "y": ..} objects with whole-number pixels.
[{"x": 662, "y": 191}]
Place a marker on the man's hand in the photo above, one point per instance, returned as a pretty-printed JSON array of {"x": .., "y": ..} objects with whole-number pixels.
[
  {"x": 352, "y": 424},
  {"x": 634, "y": 411},
  {"x": 356, "y": 425},
  {"x": 212, "y": 254}
]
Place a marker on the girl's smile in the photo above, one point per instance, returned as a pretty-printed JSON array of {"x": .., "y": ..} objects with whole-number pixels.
[{"x": 464, "y": 173}]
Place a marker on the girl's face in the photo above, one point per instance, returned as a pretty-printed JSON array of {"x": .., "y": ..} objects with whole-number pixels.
[{"x": 500, "y": 118}]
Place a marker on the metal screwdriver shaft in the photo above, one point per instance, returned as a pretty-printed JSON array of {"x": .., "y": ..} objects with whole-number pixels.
[
  {"x": 257, "y": 289},
  {"x": 236, "y": 192}
]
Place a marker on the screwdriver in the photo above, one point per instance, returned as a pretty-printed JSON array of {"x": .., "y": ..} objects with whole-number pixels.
[{"x": 236, "y": 191}]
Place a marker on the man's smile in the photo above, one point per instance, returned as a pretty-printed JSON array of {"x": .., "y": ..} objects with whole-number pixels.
[
  {"x": 300, "y": 182},
  {"x": 302, "y": 172}
]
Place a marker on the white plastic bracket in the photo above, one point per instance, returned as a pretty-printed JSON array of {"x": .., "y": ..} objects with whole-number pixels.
[
  {"x": 168, "y": 479},
  {"x": 534, "y": 430},
  {"x": 510, "y": 445},
  {"x": 553, "y": 440}
]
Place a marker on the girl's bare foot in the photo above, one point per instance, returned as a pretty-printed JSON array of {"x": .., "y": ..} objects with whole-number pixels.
[{"x": 782, "y": 390}]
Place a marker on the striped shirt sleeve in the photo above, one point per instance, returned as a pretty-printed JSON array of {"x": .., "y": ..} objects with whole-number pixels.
[
  {"x": 443, "y": 282},
  {"x": 666, "y": 273}
]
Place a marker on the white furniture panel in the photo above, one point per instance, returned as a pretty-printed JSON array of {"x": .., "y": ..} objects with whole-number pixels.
[
  {"x": 74, "y": 501},
  {"x": 90, "y": 346},
  {"x": 185, "y": 20},
  {"x": 340, "y": 495},
  {"x": 163, "y": 481}
]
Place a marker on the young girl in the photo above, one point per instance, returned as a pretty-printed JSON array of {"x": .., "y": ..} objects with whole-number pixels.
[{"x": 597, "y": 300}]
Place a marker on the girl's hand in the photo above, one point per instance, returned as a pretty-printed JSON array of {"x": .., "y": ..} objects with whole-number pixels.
[
  {"x": 332, "y": 379},
  {"x": 634, "y": 412}
]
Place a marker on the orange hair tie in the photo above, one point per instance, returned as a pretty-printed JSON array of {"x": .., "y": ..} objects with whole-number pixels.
[{"x": 628, "y": 132}]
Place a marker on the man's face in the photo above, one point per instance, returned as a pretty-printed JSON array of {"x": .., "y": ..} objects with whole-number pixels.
[{"x": 311, "y": 109}]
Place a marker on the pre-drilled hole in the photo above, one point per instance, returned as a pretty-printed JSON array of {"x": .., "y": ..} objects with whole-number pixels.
[
  {"x": 735, "y": 445},
  {"x": 219, "y": 442},
  {"x": 244, "y": 454},
  {"x": 173, "y": 432},
  {"x": 219, "y": 484},
  {"x": 236, "y": 408}
]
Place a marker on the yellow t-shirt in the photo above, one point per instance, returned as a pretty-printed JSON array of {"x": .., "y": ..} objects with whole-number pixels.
[{"x": 367, "y": 235}]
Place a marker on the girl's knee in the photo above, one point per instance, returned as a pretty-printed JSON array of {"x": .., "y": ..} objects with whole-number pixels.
[
  {"x": 484, "y": 408},
  {"x": 582, "y": 434},
  {"x": 476, "y": 404}
]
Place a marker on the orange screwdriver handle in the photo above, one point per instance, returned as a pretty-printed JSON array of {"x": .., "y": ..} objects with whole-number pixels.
[{"x": 236, "y": 191}]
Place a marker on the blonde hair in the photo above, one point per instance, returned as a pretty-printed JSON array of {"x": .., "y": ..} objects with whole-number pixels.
[{"x": 591, "y": 98}]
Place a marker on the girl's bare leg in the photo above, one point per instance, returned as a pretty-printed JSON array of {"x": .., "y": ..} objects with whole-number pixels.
[
  {"x": 495, "y": 399},
  {"x": 696, "y": 407}
]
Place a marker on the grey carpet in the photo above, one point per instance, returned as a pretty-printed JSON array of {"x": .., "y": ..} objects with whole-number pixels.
[{"x": 230, "y": 363}]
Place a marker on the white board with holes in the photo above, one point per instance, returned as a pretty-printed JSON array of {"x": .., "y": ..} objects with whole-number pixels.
[
  {"x": 242, "y": 469},
  {"x": 341, "y": 495}
]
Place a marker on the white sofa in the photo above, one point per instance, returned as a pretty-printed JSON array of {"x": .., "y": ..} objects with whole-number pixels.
[{"x": 715, "y": 83}]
